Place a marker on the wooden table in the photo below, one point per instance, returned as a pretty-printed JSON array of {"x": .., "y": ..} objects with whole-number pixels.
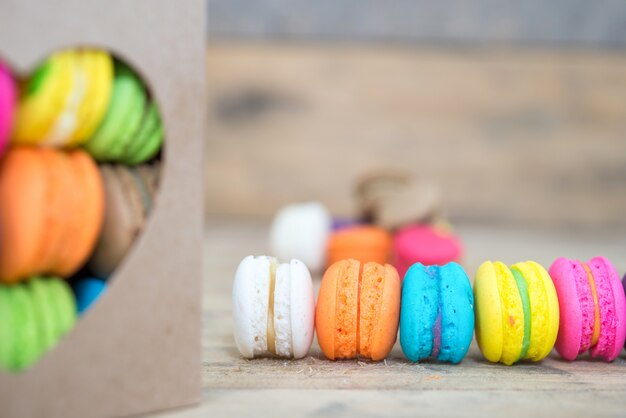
[{"x": 314, "y": 386}]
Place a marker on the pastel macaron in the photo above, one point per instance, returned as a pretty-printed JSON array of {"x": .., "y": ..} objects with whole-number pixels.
[
  {"x": 8, "y": 102},
  {"x": 426, "y": 244},
  {"x": 592, "y": 306},
  {"x": 437, "y": 313},
  {"x": 51, "y": 212},
  {"x": 131, "y": 131},
  {"x": 358, "y": 310},
  {"x": 301, "y": 231},
  {"x": 65, "y": 99},
  {"x": 273, "y": 308},
  {"x": 130, "y": 193},
  {"x": 87, "y": 291},
  {"x": 34, "y": 316},
  {"x": 517, "y": 312},
  {"x": 360, "y": 242}
]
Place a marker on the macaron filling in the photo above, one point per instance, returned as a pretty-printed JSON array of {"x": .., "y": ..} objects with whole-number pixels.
[
  {"x": 437, "y": 333},
  {"x": 271, "y": 332},
  {"x": 523, "y": 293},
  {"x": 596, "y": 308}
]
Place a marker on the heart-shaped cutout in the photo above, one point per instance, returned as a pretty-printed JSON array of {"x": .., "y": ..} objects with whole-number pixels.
[{"x": 80, "y": 142}]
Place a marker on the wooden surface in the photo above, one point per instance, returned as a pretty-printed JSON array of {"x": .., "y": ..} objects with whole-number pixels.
[
  {"x": 316, "y": 387},
  {"x": 515, "y": 135}
]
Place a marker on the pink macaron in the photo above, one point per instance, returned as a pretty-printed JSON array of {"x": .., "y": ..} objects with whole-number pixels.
[
  {"x": 425, "y": 244},
  {"x": 592, "y": 308},
  {"x": 8, "y": 97}
]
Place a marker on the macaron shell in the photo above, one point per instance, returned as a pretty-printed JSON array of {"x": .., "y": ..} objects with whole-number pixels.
[
  {"x": 571, "y": 312},
  {"x": 27, "y": 345},
  {"x": 346, "y": 309},
  {"x": 123, "y": 116},
  {"x": 300, "y": 231},
  {"x": 336, "y": 313},
  {"x": 302, "y": 309},
  {"x": 66, "y": 121},
  {"x": 425, "y": 244},
  {"x": 22, "y": 219},
  {"x": 118, "y": 229},
  {"x": 250, "y": 305},
  {"x": 58, "y": 175},
  {"x": 363, "y": 243},
  {"x": 8, "y": 102},
  {"x": 612, "y": 309},
  {"x": 88, "y": 291},
  {"x": 7, "y": 336},
  {"x": 42, "y": 98},
  {"x": 64, "y": 305},
  {"x": 282, "y": 311},
  {"x": 44, "y": 314},
  {"x": 146, "y": 143},
  {"x": 370, "y": 301},
  {"x": 513, "y": 315},
  {"x": 457, "y": 313},
  {"x": 385, "y": 326},
  {"x": 419, "y": 310},
  {"x": 544, "y": 308},
  {"x": 97, "y": 99},
  {"x": 488, "y": 309},
  {"x": 91, "y": 209}
]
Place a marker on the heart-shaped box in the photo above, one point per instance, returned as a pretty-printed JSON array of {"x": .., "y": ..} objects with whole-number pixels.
[{"x": 138, "y": 349}]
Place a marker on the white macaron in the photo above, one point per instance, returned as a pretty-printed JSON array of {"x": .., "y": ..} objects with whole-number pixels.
[
  {"x": 301, "y": 231},
  {"x": 273, "y": 308}
]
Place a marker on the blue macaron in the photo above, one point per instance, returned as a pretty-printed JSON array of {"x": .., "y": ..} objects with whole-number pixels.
[
  {"x": 87, "y": 291},
  {"x": 437, "y": 313}
]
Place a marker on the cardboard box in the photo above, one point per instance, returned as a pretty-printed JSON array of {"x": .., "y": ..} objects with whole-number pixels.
[{"x": 138, "y": 349}]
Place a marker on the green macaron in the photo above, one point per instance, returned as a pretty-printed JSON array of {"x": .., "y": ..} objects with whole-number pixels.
[
  {"x": 26, "y": 346},
  {"x": 64, "y": 306},
  {"x": 148, "y": 139},
  {"x": 123, "y": 117},
  {"x": 44, "y": 315}
]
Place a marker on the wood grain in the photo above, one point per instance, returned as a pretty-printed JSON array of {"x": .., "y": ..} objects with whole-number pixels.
[{"x": 527, "y": 136}]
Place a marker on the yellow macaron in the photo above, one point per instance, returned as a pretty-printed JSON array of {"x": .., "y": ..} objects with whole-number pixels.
[{"x": 517, "y": 312}]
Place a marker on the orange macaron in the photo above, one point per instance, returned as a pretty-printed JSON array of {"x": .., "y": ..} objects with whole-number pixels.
[
  {"x": 51, "y": 212},
  {"x": 361, "y": 242},
  {"x": 358, "y": 310}
]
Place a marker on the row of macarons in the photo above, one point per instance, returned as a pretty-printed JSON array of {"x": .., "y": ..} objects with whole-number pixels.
[
  {"x": 518, "y": 312},
  {"x": 307, "y": 232},
  {"x": 81, "y": 98},
  {"x": 61, "y": 213}
]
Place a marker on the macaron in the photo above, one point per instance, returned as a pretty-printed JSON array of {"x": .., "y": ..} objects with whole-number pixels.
[
  {"x": 273, "y": 308},
  {"x": 87, "y": 291},
  {"x": 301, "y": 231},
  {"x": 592, "y": 307},
  {"x": 437, "y": 313},
  {"x": 131, "y": 131},
  {"x": 392, "y": 199},
  {"x": 426, "y": 244},
  {"x": 358, "y": 310},
  {"x": 64, "y": 101},
  {"x": 33, "y": 318},
  {"x": 8, "y": 102},
  {"x": 129, "y": 193},
  {"x": 362, "y": 242},
  {"x": 517, "y": 312},
  {"x": 51, "y": 212}
]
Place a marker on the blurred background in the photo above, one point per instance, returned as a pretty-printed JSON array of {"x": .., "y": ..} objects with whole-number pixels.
[{"x": 516, "y": 109}]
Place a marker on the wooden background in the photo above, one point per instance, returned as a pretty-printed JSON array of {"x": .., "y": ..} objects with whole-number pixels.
[{"x": 518, "y": 134}]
